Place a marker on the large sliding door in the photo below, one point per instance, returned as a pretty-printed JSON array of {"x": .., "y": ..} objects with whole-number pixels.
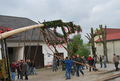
[{"x": 34, "y": 53}]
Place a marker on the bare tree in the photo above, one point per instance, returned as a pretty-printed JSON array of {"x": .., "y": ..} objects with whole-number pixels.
[
  {"x": 103, "y": 41},
  {"x": 91, "y": 37}
]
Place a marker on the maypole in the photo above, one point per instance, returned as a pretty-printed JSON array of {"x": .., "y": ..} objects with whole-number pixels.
[
  {"x": 67, "y": 29},
  {"x": 57, "y": 41},
  {"x": 45, "y": 25}
]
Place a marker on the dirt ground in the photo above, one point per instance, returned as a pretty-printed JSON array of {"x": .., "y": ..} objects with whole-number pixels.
[{"x": 46, "y": 74}]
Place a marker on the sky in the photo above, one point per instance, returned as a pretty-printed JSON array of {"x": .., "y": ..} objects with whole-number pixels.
[{"x": 86, "y": 13}]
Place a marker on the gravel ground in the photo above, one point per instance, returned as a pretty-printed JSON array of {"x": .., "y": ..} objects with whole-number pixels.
[{"x": 46, "y": 74}]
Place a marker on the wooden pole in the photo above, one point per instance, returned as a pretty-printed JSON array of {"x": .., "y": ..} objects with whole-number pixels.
[{"x": 19, "y": 30}]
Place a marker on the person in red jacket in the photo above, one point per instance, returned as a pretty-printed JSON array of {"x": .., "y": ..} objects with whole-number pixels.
[
  {"x": 90, "y": 62},
  {"x": 13, "y": 70}
]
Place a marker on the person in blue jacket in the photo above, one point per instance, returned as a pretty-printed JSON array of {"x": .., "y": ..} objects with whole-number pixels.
[{"x": 68, "y": 67}]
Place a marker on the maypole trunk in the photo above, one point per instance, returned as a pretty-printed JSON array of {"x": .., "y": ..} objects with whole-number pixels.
[{"x": 19, "y": 30}]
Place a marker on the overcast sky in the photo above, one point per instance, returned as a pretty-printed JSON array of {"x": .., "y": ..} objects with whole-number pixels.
[{"x": 87, "y": 13}]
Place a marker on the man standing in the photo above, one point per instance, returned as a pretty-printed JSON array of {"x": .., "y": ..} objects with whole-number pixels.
[
  {"x": 74, "y": 65},
  {"x": 90, "y": 62},
  {"x": 100, "y": 61},
  {"x": 18, "y": 69},
  {"x": 79, "y": 66},
  {"x": 13, "y": 69},
  {"x": 25, "y": 70},
  {"x": 68, "y": 66},
  {"x": 116, "y": 61},
  {"x": 54, "y": 66},
  {"x": 104, "y": 61},
  {"x": 94, "y": 62},
  {"x": 29, "y": 66}
]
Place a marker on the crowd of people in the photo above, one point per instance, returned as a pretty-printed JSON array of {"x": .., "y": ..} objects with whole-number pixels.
[
  {"x": 22, "y": 69},
  {"x": 76, "y": 64},
  {"x": 73, "y": 65}
]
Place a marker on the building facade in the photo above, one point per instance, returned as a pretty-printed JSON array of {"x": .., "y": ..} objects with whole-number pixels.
[
  {"x": 113, "y": 43},
  {"x": 29, "y": 44}
]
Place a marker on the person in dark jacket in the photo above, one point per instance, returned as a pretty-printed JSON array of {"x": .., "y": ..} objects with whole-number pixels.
[
  {"x": 63, "y": 64},
  {"x": 21, "y": 73},
  {"x": 79, "y": 66},
  {"x": 25, "y": 70},
  {"x": 94, "y": 62},
  {"x": 85, "y": 61},
  {"x": 54, "y": 66},
  {"x": 29, "y": 66},
  {"x": 18, "y": 69},
  {"x": 74, "y": 65},
  {"x": 100, "y": 59}
]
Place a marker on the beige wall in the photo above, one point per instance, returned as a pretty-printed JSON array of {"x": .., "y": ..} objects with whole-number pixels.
[
  {"x": 112, "y": 47},
  {"x": 19, "y": 53}
]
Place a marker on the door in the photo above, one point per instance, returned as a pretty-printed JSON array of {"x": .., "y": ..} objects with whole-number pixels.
[{"x": 34, "y": 53}]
